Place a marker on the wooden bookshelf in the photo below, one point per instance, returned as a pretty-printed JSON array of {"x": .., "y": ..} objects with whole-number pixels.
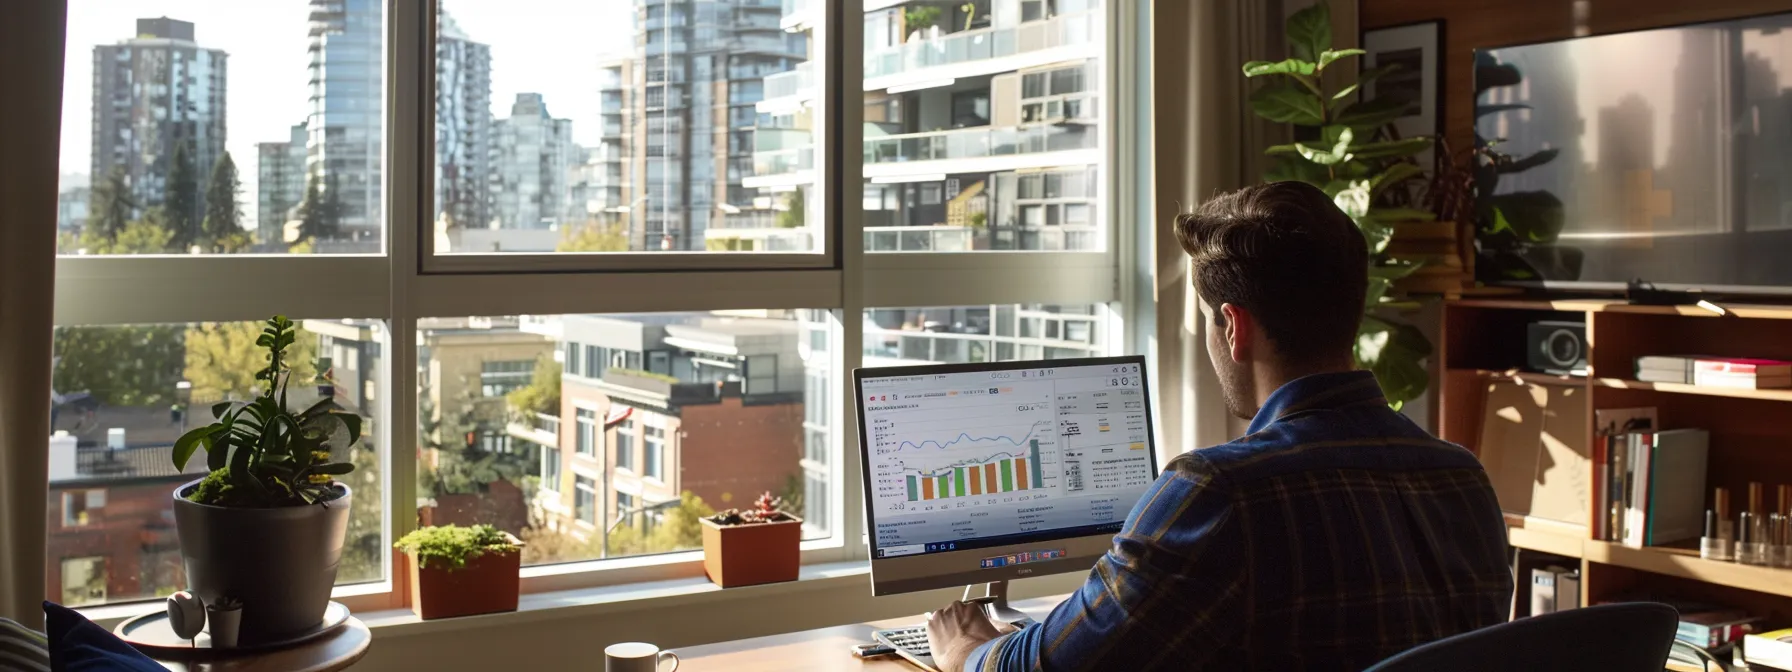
[
  {"x": 1675, "y": 388},
  {"x": 1481, "y": 342}
]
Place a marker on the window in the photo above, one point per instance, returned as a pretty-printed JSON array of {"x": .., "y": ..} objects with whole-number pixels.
[
  {"x": 550, "y": 468},
  {"x": 122, "y": 394},
  {"x": 79, "y": 506},
  {"x": 537, "y": 266},
  {"x": 587, "y": 432},
  {"x": 655, "y": 450},
  {"x": 722, "y": 420},
  {"x": 528, "y": 164},
  {"x": 584, "y": 508},
  {"x": 83, "y": 581},
  {"x": 625, "y": 445},
  {"x": 500, "y": 378}
]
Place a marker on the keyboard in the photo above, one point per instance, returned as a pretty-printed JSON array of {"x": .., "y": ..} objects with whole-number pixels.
[{"x": 910, "y": 643}]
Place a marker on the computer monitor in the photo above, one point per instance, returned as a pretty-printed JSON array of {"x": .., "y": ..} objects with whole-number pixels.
[{"x": 981, "y": 473}]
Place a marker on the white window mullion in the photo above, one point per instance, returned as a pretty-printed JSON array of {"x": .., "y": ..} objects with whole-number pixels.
[
  {"x": 409, "y": 127},
  {"x": 842, "y": 166}
]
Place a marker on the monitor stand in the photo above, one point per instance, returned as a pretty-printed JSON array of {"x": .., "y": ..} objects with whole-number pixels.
[{"x": 995, "y": 604}]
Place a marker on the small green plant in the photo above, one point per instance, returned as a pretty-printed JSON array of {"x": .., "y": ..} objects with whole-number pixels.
[
  {"x": 451, "y": 546},
  {"x": 263, "y": 455},
  {"x": 921, "y": 18},
  {"x": 767, "y": 509},
  {"x": 1354, "y": 156},
  {"x": 979, "y": 220}
]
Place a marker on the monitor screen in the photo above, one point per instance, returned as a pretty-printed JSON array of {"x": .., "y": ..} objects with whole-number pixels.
[
  {"x": 1660, "y": 155},
  {"x": 990, "y": 463}
]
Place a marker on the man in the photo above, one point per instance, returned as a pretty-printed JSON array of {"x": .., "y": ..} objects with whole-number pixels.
[{"x": 1333, "y": 535}]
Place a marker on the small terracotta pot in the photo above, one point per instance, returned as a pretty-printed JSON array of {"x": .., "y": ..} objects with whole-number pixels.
[
  {"x": 747, "y": 555},
  {"x": 488, "y": 584}
]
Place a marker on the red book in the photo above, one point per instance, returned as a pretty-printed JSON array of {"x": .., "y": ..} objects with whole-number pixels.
[{"x": 1745, "y": 367}]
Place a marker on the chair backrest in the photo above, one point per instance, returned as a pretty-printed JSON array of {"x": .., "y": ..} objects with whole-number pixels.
[{"x": 1629, "y": 637}]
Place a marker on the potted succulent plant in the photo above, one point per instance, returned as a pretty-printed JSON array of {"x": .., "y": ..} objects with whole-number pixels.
[
  {"x": 758, "y": 545},
  {"x": 462, "y": 571},
  {"x": 264, "y": 527}
]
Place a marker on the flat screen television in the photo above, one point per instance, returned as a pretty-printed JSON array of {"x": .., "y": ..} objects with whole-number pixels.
[{"x": 1662, "y": 155}]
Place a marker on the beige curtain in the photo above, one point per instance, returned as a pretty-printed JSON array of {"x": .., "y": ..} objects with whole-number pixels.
[
  {"x": 1206, "y": 141},
  {"x": 31, "y": 42}
]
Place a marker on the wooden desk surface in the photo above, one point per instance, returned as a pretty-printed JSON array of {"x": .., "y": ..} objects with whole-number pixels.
[
  {"x": 335, "y": 651},
  {"x": 819, "y": 650}
]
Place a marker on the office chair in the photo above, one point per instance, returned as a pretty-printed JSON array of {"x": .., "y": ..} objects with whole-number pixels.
[{"x": 1629, "y": 637}]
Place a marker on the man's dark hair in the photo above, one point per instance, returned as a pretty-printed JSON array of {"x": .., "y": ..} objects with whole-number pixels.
[{"x": 1287, "y": 255}]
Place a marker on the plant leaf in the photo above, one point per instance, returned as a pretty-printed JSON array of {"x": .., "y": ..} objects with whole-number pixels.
[
  {"x": 1484, "y": 110},
  {"x": 1354, "y": 201},
  {"x": 1310, "y": 31},
  {"x": 1373, "y": 114},
  {"x": 1395, "y": 174},
  {"x": 1291, "y": 66},
  {"x": 1395, "y": 352},
  {"x": 1393, "y": 148},
  {"x": 1273, "y": 150},
  {"x": 1284, "y": 101},
  {"x": 1395, "y": 271},
  {"x": 1363, "y": 79},
  {"x": 189, "y": 442},
  {"x": 333, "y": 468},
  {"x": 222, "y": 407},
  {"x": 1331, "y": 56},
  {"x": 1529, "y": 162}
]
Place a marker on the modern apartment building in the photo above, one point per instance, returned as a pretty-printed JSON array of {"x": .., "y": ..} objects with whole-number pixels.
[
  {"x": 347, "y": 87},
  {"x": 982, "y": 124},
  {"x": 653, "y": 406},
  {"x": 280, "y": 185},
  {"x": 533, "y": 164},
  {"x": 683, "y": 104},
  {"x": 153, "y": 93},
  {"x": 464, "y": 127}
]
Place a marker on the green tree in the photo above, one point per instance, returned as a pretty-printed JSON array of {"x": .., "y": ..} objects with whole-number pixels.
[
  {"x": 595, "y": 237},
  {"x": 149, "y": 235},
  {"x": 542, "y": 394},
  {"x": 792, "y": 217},
  {"x": 109, "y": 207},
  {"x": 461, "y": 466},
  {"x": 681, "y": 529},
  {"x": 320, "y": 213},
  {"x": 120, "y": 366},
  {"x": 222, "y": 230},
  {"x": 181, "y": 200},
  {"x": 920, "y": 18},
  {"x": 222, "y": 358},
  {"x": 362, "y": 549}
]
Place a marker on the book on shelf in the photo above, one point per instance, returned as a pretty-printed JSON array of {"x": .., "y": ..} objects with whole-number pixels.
[
  {"x": 1612, "y": 426},
  {"x": 1771, "y": 649},
  {"x": 1749, "y": 374},
  {"x": 1715, "y": 630},
  {"x": 1665, "y": 368},
  {"x": 1674, "y": 508}
]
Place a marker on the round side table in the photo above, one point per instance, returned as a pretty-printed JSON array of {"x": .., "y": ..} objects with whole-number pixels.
[{"x": 339, "y": 650}]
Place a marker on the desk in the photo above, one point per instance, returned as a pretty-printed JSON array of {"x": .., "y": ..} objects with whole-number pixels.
[
  {"x": 819, "y": 650},
  {"x": 338, "y": 650}
]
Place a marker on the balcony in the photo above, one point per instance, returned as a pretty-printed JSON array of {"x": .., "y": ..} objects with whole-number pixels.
[
  {"x": 796, "y": 83},
  {"x": 983, "y": 149},
  {"x": 1041, "y": 40},
  {"x": 919, "y": 238},
  {"x": 797, "y": 16},
  {"x": 782, "y": 168},
  {"x": 765, "y": 239},
  {"x": 539, "y": 428},
  {"x": 926, "y": 347}
]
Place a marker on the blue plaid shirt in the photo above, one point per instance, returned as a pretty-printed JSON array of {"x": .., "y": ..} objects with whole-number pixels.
[{"x": 1335, "y": 534}]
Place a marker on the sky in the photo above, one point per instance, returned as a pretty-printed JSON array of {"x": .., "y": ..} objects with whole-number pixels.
[{"x": 552, "y": 47}]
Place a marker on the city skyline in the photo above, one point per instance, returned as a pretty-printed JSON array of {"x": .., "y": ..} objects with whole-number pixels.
[{"x": 267, "y": 47}]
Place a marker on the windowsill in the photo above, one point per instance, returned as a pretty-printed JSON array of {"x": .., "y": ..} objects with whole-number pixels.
[
  {"x": 110, "y": 615},
  {"x": 585, "y": 602}
]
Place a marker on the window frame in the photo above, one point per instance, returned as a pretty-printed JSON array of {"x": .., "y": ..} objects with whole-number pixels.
[{"x": 408, "y": 282}]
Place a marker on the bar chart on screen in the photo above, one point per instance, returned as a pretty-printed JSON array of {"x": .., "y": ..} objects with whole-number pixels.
[{"x": 966, "y": 448}]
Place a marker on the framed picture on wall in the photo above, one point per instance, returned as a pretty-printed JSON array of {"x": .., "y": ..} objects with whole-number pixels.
[{"x": 1418, "y": 49}]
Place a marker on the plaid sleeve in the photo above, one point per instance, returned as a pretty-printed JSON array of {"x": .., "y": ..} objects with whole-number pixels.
[{"x": 1170, "y": 589}]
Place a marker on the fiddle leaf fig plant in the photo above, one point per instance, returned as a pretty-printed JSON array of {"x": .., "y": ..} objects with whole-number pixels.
[
  {"x": 1350, "y": 150},
  {"x": 262, "y": 454}
]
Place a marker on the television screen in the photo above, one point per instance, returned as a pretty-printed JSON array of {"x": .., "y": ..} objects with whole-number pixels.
[{"x": 1661, "y": 155}]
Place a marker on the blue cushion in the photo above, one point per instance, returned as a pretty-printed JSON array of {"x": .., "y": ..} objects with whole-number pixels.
[{"x": 77, "y": 645}]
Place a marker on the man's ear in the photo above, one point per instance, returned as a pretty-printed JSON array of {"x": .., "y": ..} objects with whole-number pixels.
[{"x": 1239, "y": 330}]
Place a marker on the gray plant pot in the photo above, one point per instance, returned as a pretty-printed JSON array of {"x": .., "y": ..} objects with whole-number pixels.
[{"x": 280, "y": 562}]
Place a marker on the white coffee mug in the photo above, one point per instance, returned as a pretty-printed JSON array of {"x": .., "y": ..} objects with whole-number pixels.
[{"x": 637, "y": 657}]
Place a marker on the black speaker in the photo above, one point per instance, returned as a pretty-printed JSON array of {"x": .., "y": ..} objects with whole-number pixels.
[{"x": 1556, "y": 347}]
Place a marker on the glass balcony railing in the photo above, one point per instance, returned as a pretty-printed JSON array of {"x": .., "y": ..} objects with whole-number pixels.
[
  {"x": 983, "y": 44},
  {"x": 921, "y": 346},
  {"x": 918, "y": 238},
  {"x": 970, "y": 143},
  {"x": 783, "y": 161},
  {"x": 795, "y": 82},
  {"x": 776, "y": 139}
]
